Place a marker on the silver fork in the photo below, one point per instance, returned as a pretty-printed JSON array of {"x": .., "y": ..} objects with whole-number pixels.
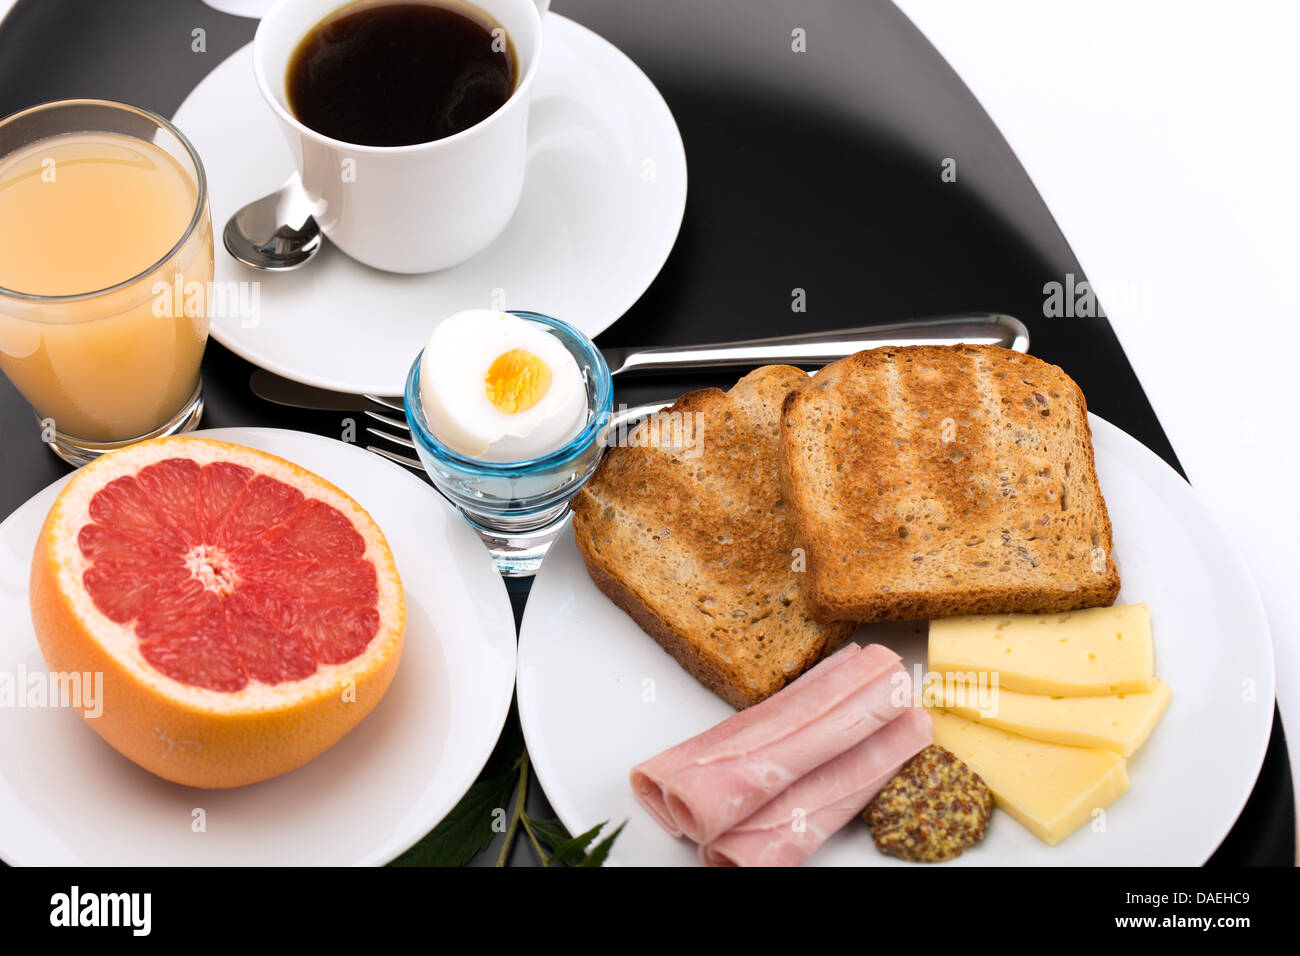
[
  {"x": 400, "y": 435},
  {"x": 621, "y": 418}
]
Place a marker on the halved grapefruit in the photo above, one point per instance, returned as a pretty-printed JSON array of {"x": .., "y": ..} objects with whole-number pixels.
[{"x": 245, "y": 613}]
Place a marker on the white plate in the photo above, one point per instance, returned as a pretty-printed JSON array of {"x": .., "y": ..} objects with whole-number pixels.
[
  {"x": 67, "y": 798},
  {"x": 583, "y": 664},
  {"x": 602, "y": 203}
]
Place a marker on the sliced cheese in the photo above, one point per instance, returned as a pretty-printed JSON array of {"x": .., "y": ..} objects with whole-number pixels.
[
  {"x": 1099, "y": 651},
  {"x": 1052, "y": 790},
  {"x": 1121, "y": 722}
]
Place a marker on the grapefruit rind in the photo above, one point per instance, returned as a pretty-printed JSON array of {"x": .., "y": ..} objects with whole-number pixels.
[{"x": 186, "y": 733}]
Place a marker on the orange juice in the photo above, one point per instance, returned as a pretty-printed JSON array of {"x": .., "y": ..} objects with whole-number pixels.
[{"x": 95, "y": 330}]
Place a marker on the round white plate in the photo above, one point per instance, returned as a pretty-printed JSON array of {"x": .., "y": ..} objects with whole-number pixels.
[
  {"x": 583, "y": 666},
  {"x": 602, "y": 203},
  {"x": 67, "y": 798}
]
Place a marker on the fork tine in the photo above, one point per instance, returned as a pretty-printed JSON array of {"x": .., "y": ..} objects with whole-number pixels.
[
  {"x": 394, "y": 403},
  {"x": 388, "y": 420},
  {"x": 395, "y": 439},
  {"x": 393, "y": 456}
]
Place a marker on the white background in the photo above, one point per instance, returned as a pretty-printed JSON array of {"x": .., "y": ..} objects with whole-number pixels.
[{"x": 1164, "y": 137}]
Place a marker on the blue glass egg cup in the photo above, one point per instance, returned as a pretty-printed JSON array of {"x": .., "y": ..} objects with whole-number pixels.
[{"x": 519, "y": 508}]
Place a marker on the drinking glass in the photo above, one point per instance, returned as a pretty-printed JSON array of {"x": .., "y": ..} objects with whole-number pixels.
[{"x": 104, "y": 367}]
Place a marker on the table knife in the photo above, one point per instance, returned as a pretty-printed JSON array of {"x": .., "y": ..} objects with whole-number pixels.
[{"x": 809, "y": 349}]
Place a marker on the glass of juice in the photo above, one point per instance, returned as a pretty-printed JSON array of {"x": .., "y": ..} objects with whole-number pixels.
[{"x": 105, "y": 273}]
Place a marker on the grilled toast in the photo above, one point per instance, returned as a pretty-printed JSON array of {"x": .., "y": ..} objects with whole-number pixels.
[
  {"x": 932, "y": 481},
  {"x": 698, "y": 549}
]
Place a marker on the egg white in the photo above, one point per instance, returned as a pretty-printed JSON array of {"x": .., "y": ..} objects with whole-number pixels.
[{"x": 454, "y": 396}]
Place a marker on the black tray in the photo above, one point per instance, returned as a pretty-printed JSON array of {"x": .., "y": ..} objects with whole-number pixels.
[{"x": 816, "y": 170}]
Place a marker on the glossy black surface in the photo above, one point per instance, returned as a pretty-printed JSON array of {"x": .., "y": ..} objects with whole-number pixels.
[{"x": 817, "y": 171}]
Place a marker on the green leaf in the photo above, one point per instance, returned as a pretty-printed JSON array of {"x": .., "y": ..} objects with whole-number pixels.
[
  {"x": 467, "y": 830},
  {"x": 551, "y": 833},
  {"x": 575, "y": 850},
  {"x": 601, "y": 851}
]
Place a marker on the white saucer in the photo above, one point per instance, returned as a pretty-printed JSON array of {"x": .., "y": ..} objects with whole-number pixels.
[
  {"x": 602, "y": 204},
  {"x": 68, "y": 799},
  {"x": 584, "y": 665}
]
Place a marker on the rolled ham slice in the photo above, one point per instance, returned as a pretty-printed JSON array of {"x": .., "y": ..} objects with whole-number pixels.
[
  {"x": 789, "y": 829},
  {"x": 649, "y": 779},
  {"x": 710, "y": 783}
]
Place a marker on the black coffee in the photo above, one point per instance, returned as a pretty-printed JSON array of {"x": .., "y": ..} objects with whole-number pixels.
[{"x": 394, "y": 74}]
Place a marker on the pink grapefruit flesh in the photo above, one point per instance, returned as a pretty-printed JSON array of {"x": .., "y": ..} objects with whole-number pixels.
[{"x": 228, "y": 596}]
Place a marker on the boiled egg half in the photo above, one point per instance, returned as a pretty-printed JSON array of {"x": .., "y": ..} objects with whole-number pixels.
[{"x": 500, "y": 388}]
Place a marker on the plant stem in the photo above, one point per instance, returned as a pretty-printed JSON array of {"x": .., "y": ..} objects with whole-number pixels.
[
  {"x": 541, "y": 854},
  {"x": 520, "y": 797}
]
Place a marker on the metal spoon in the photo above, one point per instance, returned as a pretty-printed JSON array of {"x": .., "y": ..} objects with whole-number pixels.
[{"x": 277, "y": 232}]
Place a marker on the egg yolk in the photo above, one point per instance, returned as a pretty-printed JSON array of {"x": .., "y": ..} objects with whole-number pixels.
[{"x": 517, "y": 381}]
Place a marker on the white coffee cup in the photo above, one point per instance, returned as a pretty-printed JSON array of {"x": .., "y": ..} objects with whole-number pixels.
[{"x": 415, "y": 208}]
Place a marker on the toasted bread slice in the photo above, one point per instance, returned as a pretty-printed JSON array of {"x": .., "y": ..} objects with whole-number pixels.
[
  {"x": 687, "y": 533},
  {"x": 932, "y": 481}
]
